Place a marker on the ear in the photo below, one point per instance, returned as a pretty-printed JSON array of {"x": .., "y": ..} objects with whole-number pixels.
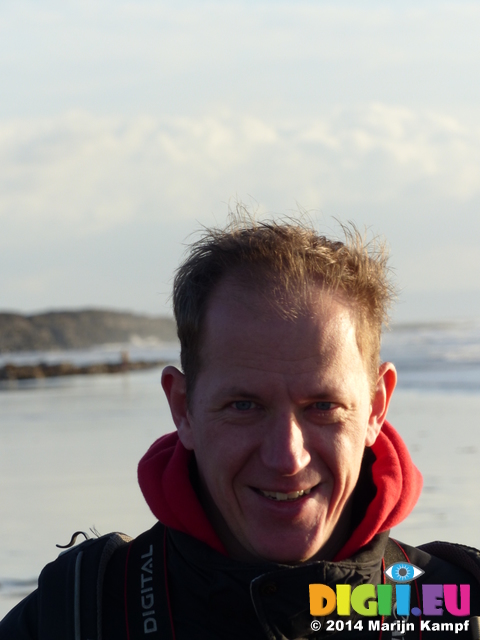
[
  {"x": 386, "y": 382},
  {"x": 174, "y": 385}
]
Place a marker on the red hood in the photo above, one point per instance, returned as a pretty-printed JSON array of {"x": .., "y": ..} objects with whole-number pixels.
[{"x": 164, "y": 480}]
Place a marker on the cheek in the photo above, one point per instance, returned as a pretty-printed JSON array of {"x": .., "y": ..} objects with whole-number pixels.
[
  {"x": 343, "y": 450},
  {"x": 221, "y": 450}
]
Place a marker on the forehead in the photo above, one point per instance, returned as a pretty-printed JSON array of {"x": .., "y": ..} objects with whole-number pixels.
[{"x": 246, "y": 326}]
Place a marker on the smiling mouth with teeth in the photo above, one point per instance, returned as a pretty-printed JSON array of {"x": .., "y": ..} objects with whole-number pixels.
[{"x": 276, "y": 495}]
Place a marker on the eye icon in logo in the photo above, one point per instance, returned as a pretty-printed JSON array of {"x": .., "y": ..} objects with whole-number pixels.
[{"x": 403, "y": 572}]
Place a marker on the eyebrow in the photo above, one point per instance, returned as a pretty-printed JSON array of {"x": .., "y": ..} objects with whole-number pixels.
[
  {"x": 238, "y": 392},
  {"x": 241, "y": 392}
]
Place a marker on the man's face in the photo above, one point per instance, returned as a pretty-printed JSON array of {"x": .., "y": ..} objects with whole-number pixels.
[{"x": 279, "y": 419}]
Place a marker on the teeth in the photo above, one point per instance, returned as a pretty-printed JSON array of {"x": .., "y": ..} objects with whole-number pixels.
[{"x": 276, "y": 495}]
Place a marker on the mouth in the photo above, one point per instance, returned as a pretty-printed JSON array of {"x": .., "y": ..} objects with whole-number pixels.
[{"x": 285, "y": 497}]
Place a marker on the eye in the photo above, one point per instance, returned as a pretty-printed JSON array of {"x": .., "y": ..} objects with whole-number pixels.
[
  {"x": 243, "y": 405},
  {"x": 324, "y": 406},
  {"x": 403, "y": 572}
]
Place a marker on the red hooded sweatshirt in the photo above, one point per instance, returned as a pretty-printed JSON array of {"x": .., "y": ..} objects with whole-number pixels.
[{"x": 164, "y": 480}]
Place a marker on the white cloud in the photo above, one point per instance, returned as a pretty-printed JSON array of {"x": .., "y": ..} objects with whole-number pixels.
[
  {"x": 91, "y": 206},
  {"x": 242, "y": 98},
  {"x": 83, "y": 174}
]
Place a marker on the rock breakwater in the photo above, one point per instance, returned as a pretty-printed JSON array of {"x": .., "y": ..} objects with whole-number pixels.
[{"x": 44, "y": 370}]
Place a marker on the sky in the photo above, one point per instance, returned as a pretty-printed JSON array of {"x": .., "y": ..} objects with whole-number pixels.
[{"x": 127, "y": 126}]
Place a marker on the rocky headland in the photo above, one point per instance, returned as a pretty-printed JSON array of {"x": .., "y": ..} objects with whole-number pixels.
[
  {"x": 79, "y": 329},
  {"x": 63, "y": 330}
]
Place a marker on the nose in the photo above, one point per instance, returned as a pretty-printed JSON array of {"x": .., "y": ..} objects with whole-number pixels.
[{"x": 284, "y": 449}]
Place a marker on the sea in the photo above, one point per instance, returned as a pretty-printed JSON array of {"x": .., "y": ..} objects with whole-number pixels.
[{"x": 69, "y": 447}]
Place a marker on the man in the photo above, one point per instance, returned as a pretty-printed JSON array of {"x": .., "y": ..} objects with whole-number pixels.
[{"x": 282, "y": 473}]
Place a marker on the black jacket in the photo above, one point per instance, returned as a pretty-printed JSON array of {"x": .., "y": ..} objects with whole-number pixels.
[{"x": 211, "y": 597}]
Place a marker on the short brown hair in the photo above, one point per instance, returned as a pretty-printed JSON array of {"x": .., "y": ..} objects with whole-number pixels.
[{"x": 287, "y": 255}]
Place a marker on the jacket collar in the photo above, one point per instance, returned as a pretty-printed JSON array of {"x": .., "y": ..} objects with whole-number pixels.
[{"x": 276, "y": 595}]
